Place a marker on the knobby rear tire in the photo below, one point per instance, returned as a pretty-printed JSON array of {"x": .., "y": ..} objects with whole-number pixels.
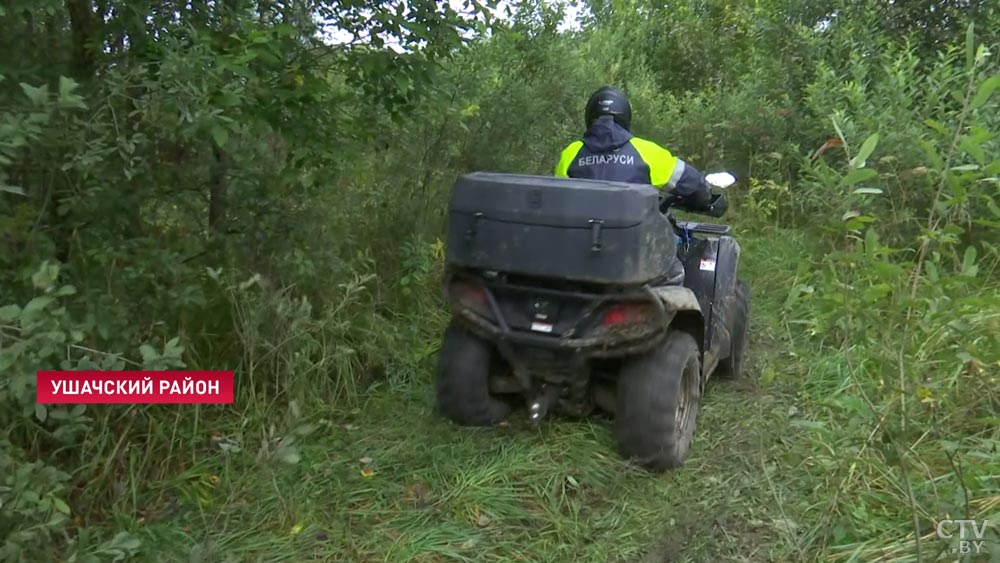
[
  {"x": 652, "y": 388},
  {"x": 462, "y": 384}
]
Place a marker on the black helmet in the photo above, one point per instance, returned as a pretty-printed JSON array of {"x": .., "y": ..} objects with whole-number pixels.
[{"x": 609, "y": 101}]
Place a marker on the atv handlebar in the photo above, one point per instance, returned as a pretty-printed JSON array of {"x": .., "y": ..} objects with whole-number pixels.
[{"x": 716, "y": 207}]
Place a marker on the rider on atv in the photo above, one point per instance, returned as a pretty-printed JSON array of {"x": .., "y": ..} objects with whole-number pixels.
[
  {"x": 571, "y": 294},
  {"x": 608, "y": 151}
]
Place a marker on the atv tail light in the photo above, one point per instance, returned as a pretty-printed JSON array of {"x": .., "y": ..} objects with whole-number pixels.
[
  {"x": 628, "y": 313},
  {"x": 471, "y": 296}
]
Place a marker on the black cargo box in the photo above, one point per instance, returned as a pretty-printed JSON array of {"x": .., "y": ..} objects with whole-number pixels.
[{"x": 583, "y": 230}]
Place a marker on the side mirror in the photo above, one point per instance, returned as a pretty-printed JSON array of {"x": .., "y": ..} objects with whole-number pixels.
[{"x": 721, "y": 180}]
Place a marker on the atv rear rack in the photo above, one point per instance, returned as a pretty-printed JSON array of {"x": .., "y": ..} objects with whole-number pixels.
[{"x": 707, "y": 228}]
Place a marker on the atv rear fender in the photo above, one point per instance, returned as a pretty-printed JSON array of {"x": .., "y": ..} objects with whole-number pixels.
[{"x": 687, "y": 314}]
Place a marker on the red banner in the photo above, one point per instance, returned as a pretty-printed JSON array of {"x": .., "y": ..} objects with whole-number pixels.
[{"x": 134, "y": 387}]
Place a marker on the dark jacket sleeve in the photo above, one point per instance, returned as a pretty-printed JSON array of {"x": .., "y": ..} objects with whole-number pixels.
[
  {"x": 677, "y": 177},
  {"x": 691, "y": 186}
]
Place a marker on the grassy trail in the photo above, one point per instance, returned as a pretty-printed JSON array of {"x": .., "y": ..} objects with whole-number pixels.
[{"x": 394, "y": 482}]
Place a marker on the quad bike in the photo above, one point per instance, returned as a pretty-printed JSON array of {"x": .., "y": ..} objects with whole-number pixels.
[{"x": 571, "y": 296}]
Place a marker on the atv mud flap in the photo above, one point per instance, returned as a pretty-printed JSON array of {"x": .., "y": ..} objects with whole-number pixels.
[{"x": 710, "y": 270}]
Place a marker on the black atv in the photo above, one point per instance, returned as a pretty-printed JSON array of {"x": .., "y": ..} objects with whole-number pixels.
[{"x": 575, "y": 295}]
